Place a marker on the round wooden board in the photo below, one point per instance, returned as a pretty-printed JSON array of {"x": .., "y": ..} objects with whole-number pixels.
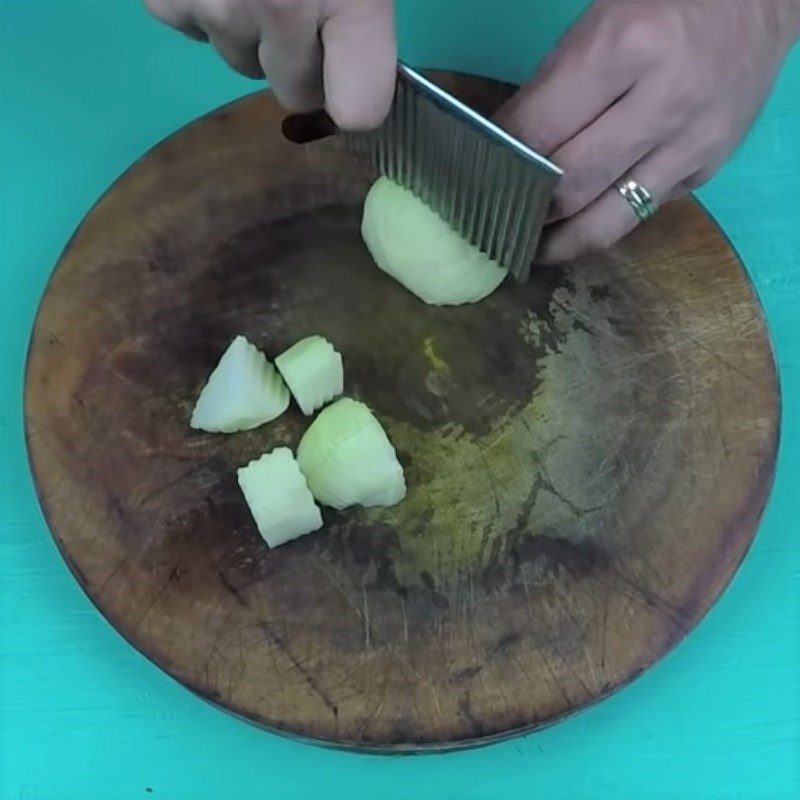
[{"x": 587, "y": 456}]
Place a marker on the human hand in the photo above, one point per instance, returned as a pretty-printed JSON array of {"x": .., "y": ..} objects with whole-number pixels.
[
  {"x": 661, "y": 92},
  {"x": 339, "y": 54}
]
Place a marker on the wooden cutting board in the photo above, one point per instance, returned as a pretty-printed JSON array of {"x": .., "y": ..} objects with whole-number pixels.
[{"x": 587, "y": 456}]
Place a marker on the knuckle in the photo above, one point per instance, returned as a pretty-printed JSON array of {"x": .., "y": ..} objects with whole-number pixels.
[
  {"x": 640, "y": 38},
  {"x": 283, "y": 11},
  {"x": 217, "y": 13},
  {"x": 641, "y": 32},
  {"x": 225, "y": 15},
  {"x": 682, "y": 101}
]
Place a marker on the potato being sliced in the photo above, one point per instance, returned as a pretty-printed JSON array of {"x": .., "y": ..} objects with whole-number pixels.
[{"x": 413, "y": 244}]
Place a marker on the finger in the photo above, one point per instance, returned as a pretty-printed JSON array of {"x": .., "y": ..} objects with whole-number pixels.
[
  {"x": 604, "y": 151},
  {"x": 570, "y": 94},
  {"x": 360, "y": 69},
  {"x": 240, "y": 54},
  {"x": 610, "y": 216},
  {"x": 291, "y": 58}
]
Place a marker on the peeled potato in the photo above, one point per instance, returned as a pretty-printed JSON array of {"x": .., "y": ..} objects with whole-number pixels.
[
  {"x": 278, "y": 497},
  {"x": 243, "y": 392},
  {"x": 313, "y": 371},
  {"x": 348, "y": 459},
  {"x": 413, "y": 244}
]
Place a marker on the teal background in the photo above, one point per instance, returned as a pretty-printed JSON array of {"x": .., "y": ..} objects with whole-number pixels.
[{"x": 87, "y": 86}]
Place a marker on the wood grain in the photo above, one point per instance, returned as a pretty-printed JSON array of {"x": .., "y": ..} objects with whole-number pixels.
[{"x": 588, "y": 456}]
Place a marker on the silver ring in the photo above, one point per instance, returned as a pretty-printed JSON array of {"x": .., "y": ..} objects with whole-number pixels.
[{"x": 640, "y": 200}]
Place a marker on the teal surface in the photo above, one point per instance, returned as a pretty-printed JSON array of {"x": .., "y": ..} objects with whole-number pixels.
[{"x": 87, "y": 86}]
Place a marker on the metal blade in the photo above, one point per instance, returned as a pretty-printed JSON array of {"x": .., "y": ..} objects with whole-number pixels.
[{"x": 491, "y": 188}]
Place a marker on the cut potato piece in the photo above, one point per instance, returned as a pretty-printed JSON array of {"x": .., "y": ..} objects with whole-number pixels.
[
  {"x": 414, "y": 245},
  {"x": 313, "y": 371},
  {"x": 348, "y": 459},
  {"x": 243, "y": 392},
  {"x": 278, "y": 497}
]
